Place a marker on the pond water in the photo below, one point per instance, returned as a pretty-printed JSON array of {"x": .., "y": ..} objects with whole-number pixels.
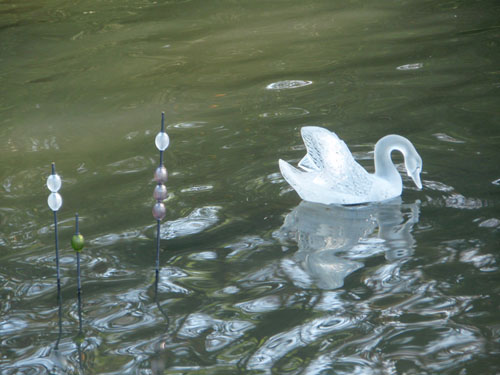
[{"x": 252, "y": 280}]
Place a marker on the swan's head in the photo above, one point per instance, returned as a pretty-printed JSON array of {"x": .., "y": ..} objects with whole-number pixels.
[{"x": 413, "y": 164}]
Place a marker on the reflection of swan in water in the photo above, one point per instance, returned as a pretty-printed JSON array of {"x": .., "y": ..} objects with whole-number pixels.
[{"x": 331, "y": 239}]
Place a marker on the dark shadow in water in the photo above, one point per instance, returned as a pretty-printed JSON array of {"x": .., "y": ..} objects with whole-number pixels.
[{"x": 333, "y": 239}]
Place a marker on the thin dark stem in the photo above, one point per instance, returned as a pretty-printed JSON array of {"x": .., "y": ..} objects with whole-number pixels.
[
  {"x": 157, "y": 247},
  {"x": 56, "y": 237},
  {"x": 79, "y": 311},
  {"x": 59, "y": 303},
  {"x": 79, "y": 288},
  {"x": 167, "y": 319},
  {"x": 80, "y": 332},
  {"x": 57, "y": 250},
  {"x": 157, "y": 280},
  {"x": 79, "y": 348},
  {"x": 76, "y": 223}
]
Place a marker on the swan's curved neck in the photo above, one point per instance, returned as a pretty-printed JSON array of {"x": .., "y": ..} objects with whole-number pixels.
[{"x": 384, "y": 167}]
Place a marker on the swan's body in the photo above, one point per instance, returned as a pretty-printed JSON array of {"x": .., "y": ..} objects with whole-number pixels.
[{"x": 330, "y": 175}]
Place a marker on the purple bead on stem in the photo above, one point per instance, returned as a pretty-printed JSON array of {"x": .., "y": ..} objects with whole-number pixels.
[{"x": 160, "y": 193}]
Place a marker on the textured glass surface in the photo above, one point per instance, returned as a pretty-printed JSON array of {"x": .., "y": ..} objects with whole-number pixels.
[
  {"x": 160, "y": 192},
  {"x": 329, "y": 174},
  {"x": 77, "y": 242},
  {"x": 54, "y": 201},
  {"x": 162, "y": 141},
  {"x": 161, "y": 174},
  {"x": 54, "y": 183},
  {"x": 159, "y": 211}
]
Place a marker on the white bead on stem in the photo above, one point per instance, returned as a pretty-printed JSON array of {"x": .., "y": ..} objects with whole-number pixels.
[
  {"x": 162, "y": 141},
  {"x": 54, "y": 183},
  {"x": 54, "y": 201}
]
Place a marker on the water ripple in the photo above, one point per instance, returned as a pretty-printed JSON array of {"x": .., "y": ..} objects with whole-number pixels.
[
  {"x": 289, "y": 84},
  {"x": 245, "y": 246},
  {"x": 345, "y": 365},
  {"x": 413, "y": 66},
  {"x": 197, "y": 221},
  {"x": 112, "y": 238},
  {"x": 223, "y": 332},
  {"x": 285, "y": 113},
  {"x": 264, "y": 304},
  {"x": 447, "y": 138},
  {"x": 456, "y": 200},
  {"x": 196, "y": 189},
  {"x": 436, "y": 185},
  {"x": 130, "y": 165},
  {"x": 12, "y": 325},
  {"x": 124, "y": 318},
  {"x": 280, "y": 344},
  {"x": 166, "y": 283},
  {"x": 188, "y": 125},
  {"x": 490, "y": 223}
]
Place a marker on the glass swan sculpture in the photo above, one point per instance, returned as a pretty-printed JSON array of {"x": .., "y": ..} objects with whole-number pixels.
[{"x": 329, "y": 174}]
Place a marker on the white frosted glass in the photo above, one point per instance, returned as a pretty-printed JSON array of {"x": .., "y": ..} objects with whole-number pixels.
[
  {"x": 54, "y": 201},
  {"x": 162, "y": 141},
  {"x": 329, "y": 174},
  {"x": 54, "y": 183}
]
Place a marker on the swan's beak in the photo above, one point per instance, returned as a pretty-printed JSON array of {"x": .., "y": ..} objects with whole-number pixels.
[{"x": 416, "y": 178}]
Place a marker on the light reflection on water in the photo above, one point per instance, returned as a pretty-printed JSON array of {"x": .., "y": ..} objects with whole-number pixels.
[
  {"x": 251, "y": 280},
  {"x": 332, "y": 240}
]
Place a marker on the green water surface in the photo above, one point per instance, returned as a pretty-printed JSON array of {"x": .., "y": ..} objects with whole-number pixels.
[{"x": 251, "y": 280}]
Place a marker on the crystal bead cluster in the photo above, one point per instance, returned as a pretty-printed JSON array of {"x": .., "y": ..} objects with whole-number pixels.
[
  {"x": 161, "y": 175},
  {"x": 54, "y": 184}
]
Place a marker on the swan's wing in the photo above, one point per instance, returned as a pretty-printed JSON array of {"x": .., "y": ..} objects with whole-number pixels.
[
  {"x": 307, "y": 164},
  {"x": 321, "y": 145},
  {"x": 319, "y": 142},
  {"x": 296, "y": 178},
  {"x": 329, "y": 154}
]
